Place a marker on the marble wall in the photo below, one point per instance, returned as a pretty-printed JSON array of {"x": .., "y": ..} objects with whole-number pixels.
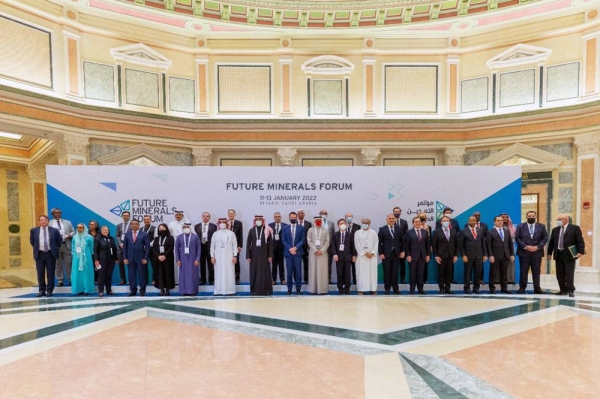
[
  {"x": 328, "y": 97},
  {"x": 472, "y": 157},
  {"x": 244, "y": 89},
  {"x": 517, "y": 88},
  {"x": 182, "y": 95},
  {"x": 411, "y": 89},
  {"x": 142, "y": 88},
  {"x": 563, "y": 82},
  {"x": 99, "y": 81},
  {"x": 562, "y": 149}
]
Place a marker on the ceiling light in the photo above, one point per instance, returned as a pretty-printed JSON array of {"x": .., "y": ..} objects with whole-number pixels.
[{"x": 11, "y": 136}]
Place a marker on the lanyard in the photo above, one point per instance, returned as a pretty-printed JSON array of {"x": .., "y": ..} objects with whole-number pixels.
[
  {"x": 165, "y": 239},
  {"x": 187, "y": 244},
  {"x": 259, "y": 236}
]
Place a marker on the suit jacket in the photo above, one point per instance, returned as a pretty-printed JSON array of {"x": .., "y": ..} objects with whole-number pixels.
[
  {"x": 102, "y": 249},
  {"x": 298, "y": 242},
  {"x": 524, "y": 238},
  {"x": 54, "y": 237},
  {"x": 453, "y": 225},
  {"x": 210, "y": 231},
  {"x": 482, "y": 229},
  {"x": 138, "y": 250},
  {"x": 277, "y": 244},
  {"x": 353, "y": 228},
  {"x": 497, "y": 247},
  {"x": 121, "y": 233},
  {"x": 151, "y": 232},
  {"x": 415, "y": 248},
  {"x": 471, "y": 247},
  {"x": 387, "y": 243},
  {"x": 571, "y": 236},
  {"x": 349, "y": 249},
  {"x": 238, "y": 229},
  {"x": 443, "y": 247},
  {"x": 67, "y": 230},
  {"x": 403, "y": 225}
]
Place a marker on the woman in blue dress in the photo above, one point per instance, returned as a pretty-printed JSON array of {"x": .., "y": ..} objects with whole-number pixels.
[{"x": 82, "y": 271}]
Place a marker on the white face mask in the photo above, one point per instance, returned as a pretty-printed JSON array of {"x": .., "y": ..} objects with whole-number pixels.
[
  {"x": 365, "y": 226},
  {"x": 259, "y": 223},
  {"x": 222, "y": 226},
  {"x": 449, "y": 215},
  {"x": 324, "y": 217},
  {"x": 559, "y": 223},
  {"x": 343, "y": 227},
  {"x": 187, "y": 230}
]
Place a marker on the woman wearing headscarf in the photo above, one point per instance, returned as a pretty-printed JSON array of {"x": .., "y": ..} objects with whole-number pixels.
[
  {"x": 259, "y": 253},
  {"x": 82, "y": 271},
  {"x": 163, "y": 259},
  {"x": 105, "y": 256}
]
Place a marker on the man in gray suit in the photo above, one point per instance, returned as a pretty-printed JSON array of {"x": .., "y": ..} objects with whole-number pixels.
[{"x": 65, "y": 259}]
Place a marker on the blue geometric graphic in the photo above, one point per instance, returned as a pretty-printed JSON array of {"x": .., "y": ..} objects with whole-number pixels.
[
  {"x": 394, "y": 191},
  {"x": 112, "y": 186},
  {"x": 119, "y": 209},
  {"x": 439, "y": 209}
]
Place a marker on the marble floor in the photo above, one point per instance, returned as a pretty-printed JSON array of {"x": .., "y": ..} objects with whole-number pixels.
[{"x": 459, "y": 346}]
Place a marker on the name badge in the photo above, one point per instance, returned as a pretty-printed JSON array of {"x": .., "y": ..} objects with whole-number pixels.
[
  {"x": 123, "y": 237},
  {"x": 204, "y": 241},
  {"x": 186, "y": 250},
  {"x": 111, "y": 252},
  {"x": 78, "y": 250},
  {"x": 318, "y": 243},
  {"x": 277, "y": 237},
  {"x": 222, "y": 245},
  {"x": 341, "y": 247},
  {"x": 257, "y": 242},
  {"x": 161, "y": 249}
]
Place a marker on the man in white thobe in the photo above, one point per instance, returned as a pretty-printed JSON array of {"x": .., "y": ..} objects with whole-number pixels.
[
  {"x": 176, "y": 229},
  {"x": 318, "y": 244},
  {"x": 223, "y": 251},
  {"x": 366, "y": 243}
]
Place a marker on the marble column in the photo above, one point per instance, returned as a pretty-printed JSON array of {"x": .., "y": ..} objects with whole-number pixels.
[
  {"x": 287, "y": 156},
  {"x": 452, "y": 62},
  {"x": 588, "y": 198},
  {"x": 72, "y": 149},
  {"x": 73, "y": 60},
  {"x": 37, "y": 181},
  {"x": 202, "y": 156},
  {"x": 370, "y": 156},
  {"x": 202, "y": 74},
  {"x": 369, "y": 85},
  {"x": 285, "y": 64},
  {"x": 454, "y": 156}
]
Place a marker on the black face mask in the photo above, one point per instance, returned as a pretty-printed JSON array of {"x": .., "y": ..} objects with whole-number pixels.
[
  {"x": 293, "y": 221},
  {"x": 162, "y": 233},
  {"x": 397, "y": 215},
  {"x": 531, "y": 220}
]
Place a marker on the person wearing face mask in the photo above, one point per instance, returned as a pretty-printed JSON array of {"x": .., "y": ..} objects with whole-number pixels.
[
  {"x": 366, "y": 244},
  {"x": 163, "y": 259},
  {"x": 567, "y": 245},
  {"x": 293, "y": 237},
  {"x": 501, "y": 250},
  {"x": 259, "y": 254},
  {"x": 136, "y": 249},
  {"x": 453, "y": 225},
  {"x": 223, "y": 255},
  {"x": 344, "y": 255},
  {"x": 306, "y": 225},
  {"x": 482, "y": 228},
  {"x": 445, "y": 248},
  {"x": 328, "y": 226},
  {"x": 105, "y": 256},
  {"x": 278, "y": 265},
  {"x": 318, "y": 244},
  {"x": 187, "y": 249},
  {"x": 82, "y": 272},
  {"x": 531, "y": 238},
  {"x": 403, "y": 224},
  {"x": 471, "y": 244},
  {"x": 352, "y": 228},
  {"x": 390, "y": 252}
]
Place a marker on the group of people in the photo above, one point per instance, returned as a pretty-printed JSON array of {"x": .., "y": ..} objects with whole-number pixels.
[{"x": 299, "y": 252}]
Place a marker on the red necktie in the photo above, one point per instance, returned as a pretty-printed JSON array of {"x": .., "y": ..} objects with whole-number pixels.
[
  {"x": 134, "y": 236},
  {"x": 474, "y": 233}
]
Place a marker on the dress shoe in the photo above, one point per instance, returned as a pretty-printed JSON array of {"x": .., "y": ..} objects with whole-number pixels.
[
  {"x": 211, "y": 283},
  {"x": 110, "y": 293},
  {"x": 373, "y": 292},
  {"x": 298, "y": 291},
  {"x": 521, "y": 291},
  {"x": 442, "y": 292},
  {"x": 347, "y": 292},
  {"x": 506, "y": 291},
  {"x": 289, "y": 291},
  {"x": 237, "y": 282},
  {"x": 475, "y": 291},
  {"x": 412, "y": 292},
  {"x": 538, "y": 291},
  {"x": 142, "y": 294},
  {"x": 283, "y": 282},
  {"x": 168, "y": 293},
  {"x": 122, "y": 282},
  {"x": 571, "y": 294},
  {"x": 49, "y": 294},
  {"x": 467, "y": 291},
  {"x": 450, "y": 292},
  {"x": 131, "y": 294},
  {"x": 561, "y": 293},
  {"x": 60, "y": 284},
  {"x": 100, "y": 295},
  {"x": 421, "y": 292},
  {"x": 387, "y": 292},
  {"x": 403, "y": 282},
  {"x": 492, "y": 290},
  {"x": 274, "y": 282},
  {"x": 41, "y": 294},
  {"x": 397, "y": 292},
  {"x": 340, "y": 292}
]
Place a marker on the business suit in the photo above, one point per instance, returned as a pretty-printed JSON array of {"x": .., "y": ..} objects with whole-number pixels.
[
  {"x": 65, "y": 258},
  {"x": 501, "y": 250},
  {"x": 151, "y": 231},
  {"x": 205, "y": 234},
  {"x": 238, "y": 229},
  {"x": 403, "y": 224},
  {"x": 122, "y": 228},
  {"x": 353, "y": 228},
  {"x": 277, "y": 264},
  {"x": 416, "y": 246},
  {"x": 307, "y": 225},
  {"x": 530, "y": 260},
  {"x": 293, "y": 262},
  {"x": 482, "y": 228},
  {"x": 446, "y": 249},
  {"x": 343, "y": 248},
  {"x": 134, "y": 251},
  {"x": 390, "y": 245},
  {"x": 565, "y": 264},
  {"x": 45, "y": 261},
  {"x": 473, "y": 246},
  {"x": 105, "y": 252}
]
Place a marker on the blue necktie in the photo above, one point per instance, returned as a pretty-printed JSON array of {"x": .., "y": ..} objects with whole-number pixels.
[{"x": 501, "y": 234}]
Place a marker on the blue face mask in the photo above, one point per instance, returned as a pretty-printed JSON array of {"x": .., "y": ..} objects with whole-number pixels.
[
  {"x": 365, "y": 226},
  {"x": 445, "y": 224},
  {"x": 349, "y": 219}
]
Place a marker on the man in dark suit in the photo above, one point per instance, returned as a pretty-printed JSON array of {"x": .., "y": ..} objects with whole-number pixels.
[
  {"x": 531, "y": 238},
  {"x": 277, "y": 264},
  {"x": 445, "y": 248},
  {"x": 122, "y": 228},
  {"x": 472, "y": 246},
  {"x": 403, "y": 224},
  {"x": 46, "y": 242},
  {"x": 352, "y": 228},
  {"x": 307, "y": 225},
  {"x": 482, "y": 229},
  {"x": 501, "y": 250},
  {"x": 205, "y": 231},
  {"x": 238, "y": 229},
  {"x": 293, "y": 237},
  {"x": 390, "y": 251},
  {"x": 344, "y": 255},
  {"x": 563, "y": 236},
  {"x": 416, "y": 251},
  {"x": 136, "y": 248},
  {"x": 150, "y": 230}
]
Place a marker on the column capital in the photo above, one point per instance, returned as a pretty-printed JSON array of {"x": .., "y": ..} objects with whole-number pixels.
[
  {"x": 36, "y": 172},
  {"x": 454, "y": 156},
  {"x": 370, "y": 156},
  {"x": 287, "y": 156},
  {"x": 587, "y": 143},
  {"x": 71, "y": 146},
  {"x": 202, "y": 156}
]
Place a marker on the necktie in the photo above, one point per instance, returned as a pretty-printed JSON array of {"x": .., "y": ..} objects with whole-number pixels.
[
  {"x": 343, "y": 235},
  {"x": 501, "y": 231},
  {"x": 231, "y": 227},
  {"x": 531, "y": 230},
  {"x": 391, "y": 232},
  {"x": 277, "y": 228},
  {"x": 134, "y": 236},
  {"x": 474, "y": 232},
  {"x": 419, "y": 234},
  {"x": 59, "y": 226},
  {"x": 447, "y": 233},
  {"x": 45, "y": 233},
  {"x": 293, "y": 234},
  {"x": 560, "y": 238}
]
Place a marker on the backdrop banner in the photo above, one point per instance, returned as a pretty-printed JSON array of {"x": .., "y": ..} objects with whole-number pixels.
[{"x": 102, "y": 193}]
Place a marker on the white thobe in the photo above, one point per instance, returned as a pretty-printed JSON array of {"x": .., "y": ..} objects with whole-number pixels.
[
  {"x": 366, "y": 241},
  {"x": 223, "y": 247}
]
